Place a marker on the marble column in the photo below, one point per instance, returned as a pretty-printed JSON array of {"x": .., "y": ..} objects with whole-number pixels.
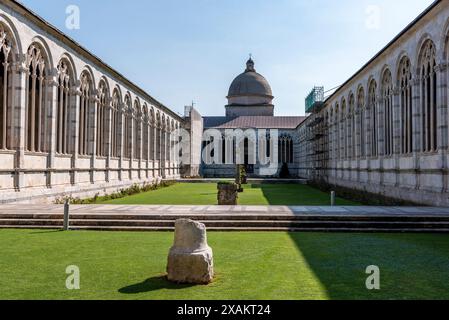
[
  {"x": 93, "y": 114},
  {"x": 442, "y": 122},
  {"x": 417, "y": 137},
  {"x": 75, "y": 131},
  {"x": 20, "y": 73}
]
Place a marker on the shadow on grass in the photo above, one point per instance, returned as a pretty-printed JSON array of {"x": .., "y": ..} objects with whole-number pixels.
[
  {"x": 47, "y": 231},
  {"x": 153, "y": 284},
  {"x": 297, "y": 195},
  {"x": 412, "y": 266}
]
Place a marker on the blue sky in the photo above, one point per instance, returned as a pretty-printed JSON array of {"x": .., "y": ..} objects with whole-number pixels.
[{"x": 184, "y": 50}]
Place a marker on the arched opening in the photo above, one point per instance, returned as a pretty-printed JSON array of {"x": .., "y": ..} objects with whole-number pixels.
[
  {"x": 85, "y": 123},
  {"x": 6, "y": 82},
  {"x": 152, "y": 134},
  {"x": 331, "y": 135},
  {"x": 387, "y": 101},
  {"x": 343, "y": 129},
  {"x": 102, "y": 120},
  {"x": 36, "y": 119},
  {"x": 158, "y": 136},
  {"x": 145, "y": 132},
  {"x": 128, "y": 128},
  {"x": 137, "y": 127},
  {"x": 362, "y": 126},
  {"x": 428, "y": 92},
  {"x": 351, "y": 129},
  {"x": 286, "y": 149},
  {"x": 64, "y": 114},
  {"x": 337, "y": 132},
  {"x": 115, "y": 125},
  {"x": 372, "y": 98},
  {"x": 406, "y": 105}
]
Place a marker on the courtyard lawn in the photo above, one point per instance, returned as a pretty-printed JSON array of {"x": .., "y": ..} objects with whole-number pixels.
[
  {"x": 116, "y": 265},
  {"x": 206, "y": 194}
]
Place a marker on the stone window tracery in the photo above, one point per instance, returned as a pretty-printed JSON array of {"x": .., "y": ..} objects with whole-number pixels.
[
  {"x": 406, "y": 105},
  {"x": 64, "y": 143},
  {"x": 5, "y": 88},
  {"x": 387, "y": 99},
  {"x": 373, "y": 109},
  {"x": 362, "y": 125},
  {"x": 36, "y": 111},
  {"x": 428, "y": 91}
]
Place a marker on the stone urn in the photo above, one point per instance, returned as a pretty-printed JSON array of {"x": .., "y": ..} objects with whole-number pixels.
[
  {"x": 227, "y": 194},
  {"x": 190, "y": 259}
]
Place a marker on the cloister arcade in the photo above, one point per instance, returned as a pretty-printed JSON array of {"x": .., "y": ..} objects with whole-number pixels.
[
  {"x": 393, "y": 137},
  {"x": 69, "y": 123}
]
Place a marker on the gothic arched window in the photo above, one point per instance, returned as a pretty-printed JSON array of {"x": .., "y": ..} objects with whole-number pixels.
[
  {"x": 137, "y": 118},
  {"x": 387, "y": 101},
  {"x": 36, "y": 111},
  {"x": 285, "y": 149},
  {"x": 428, "y": 91},
  {"x": 152, "y": 134},
  {"x": 372, "y": 105},
  {"x": 158, "y": 136},
  {"x": 115, "y": 125},
  {"x": 6, "y": 57},
  {"x": 145, "y": 129},
  {"x": 362, "y": 117},
  {"x": 352, "y": 126},
  {"x": 406, "y": 105},
  {"x": 128, "y": 128},
  {"x": 85, "y": 125},
  {"x": 64, "y": 142},
  {"x": 344, "y": 129},
  {"x": 102, "y": 119},
  {"x": 337, "y": 132}
]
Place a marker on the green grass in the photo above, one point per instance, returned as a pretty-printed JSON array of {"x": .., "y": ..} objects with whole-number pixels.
[
  {"x": 206, "y": 194},
  {"x": 248, "y": 266}
]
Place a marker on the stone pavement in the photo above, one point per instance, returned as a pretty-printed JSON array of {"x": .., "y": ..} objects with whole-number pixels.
[{"x": 184, "y": 210}]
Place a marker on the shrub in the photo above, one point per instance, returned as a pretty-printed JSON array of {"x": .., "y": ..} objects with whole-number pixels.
[{"x": 134, "y": 189}]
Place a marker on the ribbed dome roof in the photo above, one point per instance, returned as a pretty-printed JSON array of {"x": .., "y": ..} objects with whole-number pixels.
[{"x": 250, "y": 83}]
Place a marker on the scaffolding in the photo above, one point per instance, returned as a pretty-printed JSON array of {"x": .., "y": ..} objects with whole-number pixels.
[{"x": 315, "y": 100}]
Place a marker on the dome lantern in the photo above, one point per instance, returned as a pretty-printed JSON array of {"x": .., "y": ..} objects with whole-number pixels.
[{"x": 250, "y": 65}]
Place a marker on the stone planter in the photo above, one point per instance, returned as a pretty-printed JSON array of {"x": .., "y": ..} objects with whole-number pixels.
[{"x": 227, "y": 194}]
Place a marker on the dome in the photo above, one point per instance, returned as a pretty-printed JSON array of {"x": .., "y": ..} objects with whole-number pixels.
[{"x": 250, "y": 83}]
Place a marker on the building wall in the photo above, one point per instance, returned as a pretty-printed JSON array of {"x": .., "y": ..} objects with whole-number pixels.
[
  {"x": 287, "y": 147},
  {"x": 52, "y": 156},
  {"x": 194, "y": 127},
  {"x": 386, "y": 130},
  {"x": 241, "y": 111}
]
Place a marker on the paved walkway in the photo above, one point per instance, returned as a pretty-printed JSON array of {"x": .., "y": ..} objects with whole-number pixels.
[{"x": 353, "y": 211}]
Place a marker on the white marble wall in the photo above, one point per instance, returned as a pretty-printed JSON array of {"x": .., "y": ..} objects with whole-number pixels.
[
  {"x": 40, "y": 177},
  {"x": 419, "y": 176}
]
